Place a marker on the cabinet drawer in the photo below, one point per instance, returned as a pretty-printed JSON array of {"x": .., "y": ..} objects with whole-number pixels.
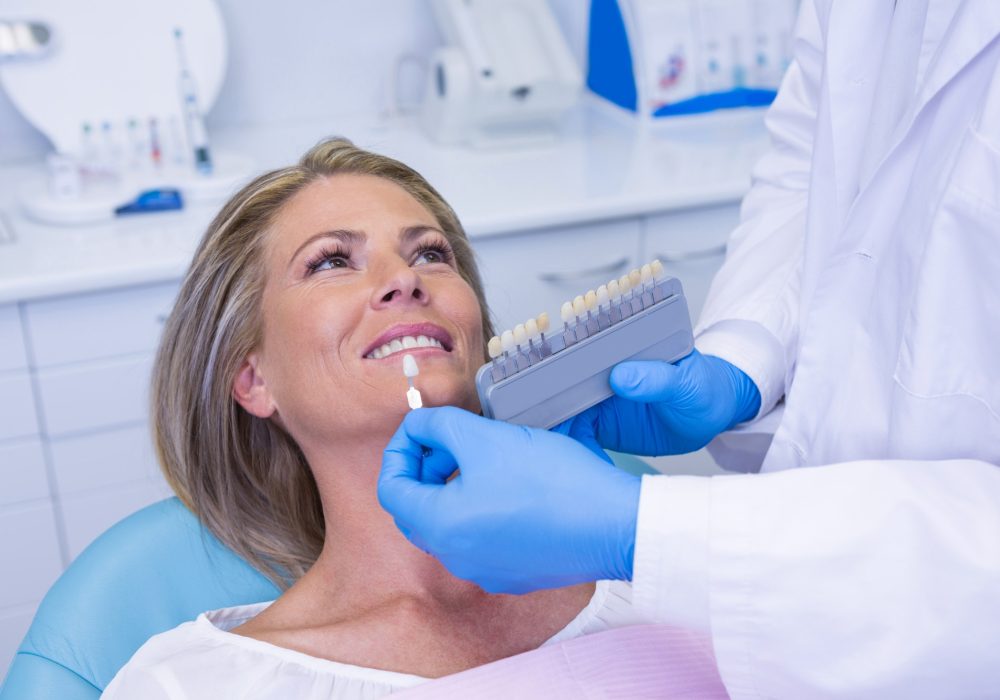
[
  {"x": 95, "y": 395},
  {"x": 691, "y": 244},
  {"x": 17, "y": 406},
  {"x": 87, "y": 515},
  {"x": 22, "y": 472},
  {"x": 11, "y": 340},
  {"x": 100, "y": 460},
  {"x": 536, "y": 271},
  {"x": 98, "y": 325},
  {"x": 31, "y": 558}
]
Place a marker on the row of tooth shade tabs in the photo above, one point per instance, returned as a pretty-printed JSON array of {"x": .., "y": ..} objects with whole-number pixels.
[{"x": 531, "y": 342}]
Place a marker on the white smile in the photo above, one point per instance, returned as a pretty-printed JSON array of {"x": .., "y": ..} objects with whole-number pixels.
[{"x": 407, "y": 342}]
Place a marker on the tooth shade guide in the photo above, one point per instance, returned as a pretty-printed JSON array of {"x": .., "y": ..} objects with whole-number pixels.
[
  {"x": 566, "y": 312},
  {"x": 579, "y": 306},
  {"x": 494, "y": 348},
  {"x": 590, "y": 299},
  {"x": 520, "y": 334},
  {"x": 543, "y": 322}
]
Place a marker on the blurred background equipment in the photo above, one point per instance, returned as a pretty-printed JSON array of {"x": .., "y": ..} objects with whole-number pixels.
[
  {"x": 506, "y": 74},
  {"x": 24, "y": 39},
  {"x": 123, "y": 108},
  {"x": 661, "y": 58}
]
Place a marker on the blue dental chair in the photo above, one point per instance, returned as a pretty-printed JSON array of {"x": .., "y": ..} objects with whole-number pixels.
[{"x": 149, "y": 573}]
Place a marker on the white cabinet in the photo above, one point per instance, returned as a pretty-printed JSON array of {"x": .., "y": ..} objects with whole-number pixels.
[
  {"x": 94, "y": 395},
  {"x": 22, "y": 472},
  {"x": 691, "y": 244},
  {"x": 527, "y": 273},
  {"x": 11, "y": 341},
  {"x": 30, "y": 549},
  {"x": 98, "y": 325},
  {"x": 17, "y": 405}
]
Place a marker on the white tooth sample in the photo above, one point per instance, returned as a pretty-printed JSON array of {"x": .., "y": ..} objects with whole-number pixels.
[
  {"x": 579, "y": 306},
  {"x": 590, "y": 300},
  {"x": 624, "y": 284},
  {"x": 657, "y": 267},
  {"x": 531, "y": 328},
  {"x": 395, "y": 345},
  {"x": 410, "y": 368},
  {"x": 614, "y": 291},
  {"x": 409, "y": 342},
  {"x": 646, "y": 272},
  {"x": 602, "y": 295},
  {"x": 507, "y": 341},
  {"x": 543, "y": 322},
  {"x": 423, "y": 341},
  {"x": 494, "y": 348},
  {"x": 520, "y": 335},
  {"x": 634, "y": 278},
  {"x": 566, "y": 312}
]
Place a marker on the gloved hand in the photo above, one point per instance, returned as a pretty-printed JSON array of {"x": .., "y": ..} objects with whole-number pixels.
[
  {"x": 661, "y": 408},
  {"x": 529, "y": 509}
]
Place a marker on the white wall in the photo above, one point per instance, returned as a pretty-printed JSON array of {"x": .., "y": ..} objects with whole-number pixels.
[{"x": 303, "y": 59}]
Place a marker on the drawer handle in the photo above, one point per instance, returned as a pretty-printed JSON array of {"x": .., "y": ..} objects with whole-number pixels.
[
  {"x": 680, "y": 256},
  {"x": 608, "y": 269}
]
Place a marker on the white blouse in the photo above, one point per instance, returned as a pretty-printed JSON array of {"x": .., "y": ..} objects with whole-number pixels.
[{"x": 204, "y": 660}]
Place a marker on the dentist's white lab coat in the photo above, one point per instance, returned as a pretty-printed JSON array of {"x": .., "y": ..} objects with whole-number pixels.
[{"x": 863, "y": 286}]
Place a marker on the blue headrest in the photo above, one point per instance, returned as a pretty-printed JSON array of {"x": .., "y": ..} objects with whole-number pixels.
[{"x": 149, "y": 573}]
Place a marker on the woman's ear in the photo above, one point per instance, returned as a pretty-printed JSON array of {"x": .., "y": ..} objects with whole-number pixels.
[{"x": 250, "y": 390}]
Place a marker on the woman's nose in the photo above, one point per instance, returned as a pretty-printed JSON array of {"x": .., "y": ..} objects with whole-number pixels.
[{"x": 401, "y": 285}]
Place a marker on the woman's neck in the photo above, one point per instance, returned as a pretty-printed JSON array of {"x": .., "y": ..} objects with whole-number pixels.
[{"x": 366, "y": 561}]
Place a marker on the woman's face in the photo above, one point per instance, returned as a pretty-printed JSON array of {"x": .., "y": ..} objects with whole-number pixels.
[{"x": 357, "y": 271}]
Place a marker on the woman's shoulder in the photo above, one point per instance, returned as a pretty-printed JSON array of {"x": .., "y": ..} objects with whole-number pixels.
[{"x": 203, "y": 659}]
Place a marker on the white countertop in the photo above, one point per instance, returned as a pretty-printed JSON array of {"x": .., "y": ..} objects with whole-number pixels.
[{"x": 602, "y": 167}]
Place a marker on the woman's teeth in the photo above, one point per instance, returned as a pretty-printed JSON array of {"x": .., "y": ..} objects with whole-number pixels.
[{"x": 407, "y": 342}]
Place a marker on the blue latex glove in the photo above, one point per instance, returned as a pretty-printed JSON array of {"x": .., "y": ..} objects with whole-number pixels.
[
  {"x": 661, "y": 408},
  {"x": 529, "y": 509}
]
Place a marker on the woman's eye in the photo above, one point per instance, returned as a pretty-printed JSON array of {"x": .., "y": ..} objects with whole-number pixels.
[
  {"x": 328, "y": 261},
  {"x": 433, "y": 255}
]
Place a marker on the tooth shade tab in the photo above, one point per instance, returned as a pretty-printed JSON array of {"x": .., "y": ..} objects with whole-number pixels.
[
  {"x": 410, "y": 368},
  {"x": 494, "y": 348},
  {"x": 657, "y": 268},
  {"x": 602, "y": 295},
  {"x": 531, "y": 328},
  {"x": 590, "y": 300},
  {"x": 646, "y": 272},
  {"x": 579, "y": 306},
  {"x": 624, "y": 284},
  {"x": 543, "y": 322},
  {"x": 520, "y": 335},
  {"x": 566, "y": 312},
  {"x": 507, "y": 341},
  {"x": 614, "y": 291},
  {"x": 634, "y": 278}
]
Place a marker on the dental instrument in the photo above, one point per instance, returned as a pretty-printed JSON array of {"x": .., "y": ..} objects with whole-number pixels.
[
  {"x": 410, "y": 369},
  {"x": 192, "y": 114},
  {"x": 649, "y": 321}
]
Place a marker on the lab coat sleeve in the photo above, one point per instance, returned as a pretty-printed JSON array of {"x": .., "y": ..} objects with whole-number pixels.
[
  {"x": 751, "y": 315},
  {"x": 874, "y": 579}
]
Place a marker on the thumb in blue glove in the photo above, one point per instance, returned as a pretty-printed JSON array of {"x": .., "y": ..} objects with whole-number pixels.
[
  {"x": 661, "y": 408},
  {"x": 529, "y": 509}
]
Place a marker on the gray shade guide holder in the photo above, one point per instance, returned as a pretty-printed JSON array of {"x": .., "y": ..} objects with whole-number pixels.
[{"x": 577, "y": 377}]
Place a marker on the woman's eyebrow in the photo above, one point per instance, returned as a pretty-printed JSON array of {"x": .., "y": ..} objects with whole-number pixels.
[
  {"x": 346, "y": 236},
  {"x": 408, "y": 233}
]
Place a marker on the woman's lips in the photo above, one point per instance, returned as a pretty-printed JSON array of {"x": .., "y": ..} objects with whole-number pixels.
[{"x": 412, "y": 337}]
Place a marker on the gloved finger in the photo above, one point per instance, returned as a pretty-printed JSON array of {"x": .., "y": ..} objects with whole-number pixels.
[
  {"x": 437, "y": 466},
  {"x": 400, "y": 490},
  {"x": 451, "y": 430},
  {"x": 646, "y": 380},
  {"x": 582, "y": 429}
]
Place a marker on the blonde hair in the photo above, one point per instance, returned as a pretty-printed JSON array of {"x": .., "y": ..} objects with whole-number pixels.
[{"x": 244, "y": 477}]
